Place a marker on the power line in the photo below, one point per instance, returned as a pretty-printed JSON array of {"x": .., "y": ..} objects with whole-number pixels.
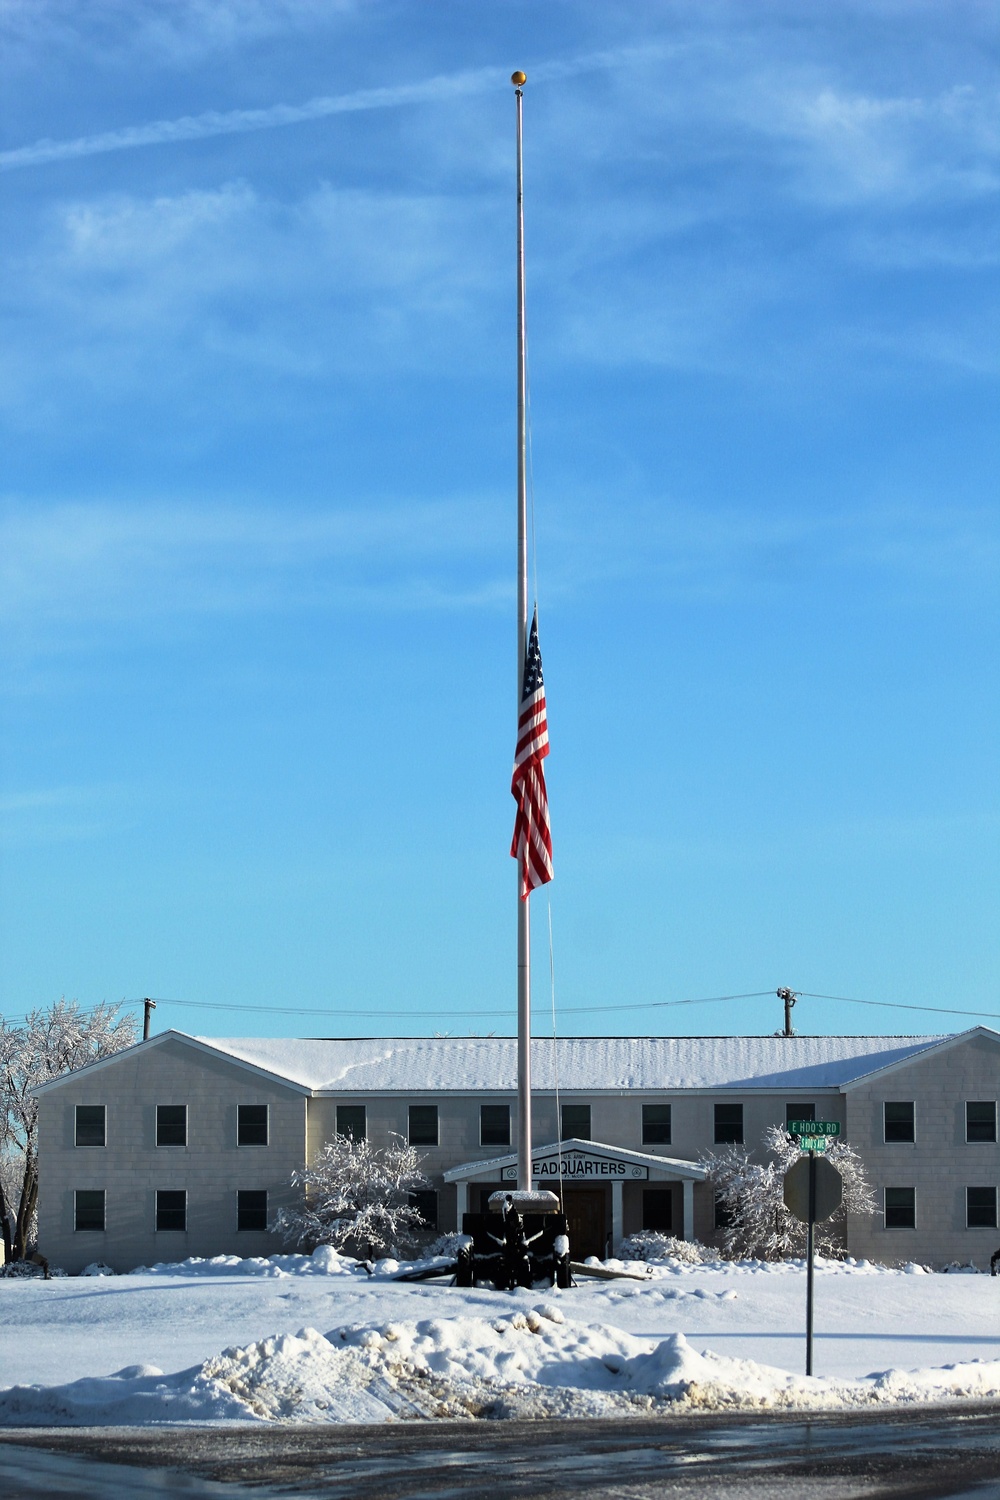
[
  {"x": 470, "y": 1015},
  {"x": 941, "y": 1010},
  {"x": 300, "y": 1010}
]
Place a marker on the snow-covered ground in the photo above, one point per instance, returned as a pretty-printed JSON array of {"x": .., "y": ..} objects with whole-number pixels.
[{"x": 313, "y": 1339}]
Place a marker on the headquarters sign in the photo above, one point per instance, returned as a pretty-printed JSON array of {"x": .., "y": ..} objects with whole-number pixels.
[{"x": 577, "y": 1166}]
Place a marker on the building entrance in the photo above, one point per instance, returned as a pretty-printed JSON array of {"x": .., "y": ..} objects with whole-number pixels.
[{"x": 586, "y": 1221}]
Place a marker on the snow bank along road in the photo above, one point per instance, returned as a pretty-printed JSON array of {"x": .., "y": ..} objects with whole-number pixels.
[{"x": 314, "y": 1339}]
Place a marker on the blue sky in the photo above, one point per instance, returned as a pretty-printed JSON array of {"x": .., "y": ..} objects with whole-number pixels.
[{"x": 257, "y": 413}]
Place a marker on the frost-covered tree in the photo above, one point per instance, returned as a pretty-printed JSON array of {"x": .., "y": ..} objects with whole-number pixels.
[
  {"x": 54, "y": 1040},
  {"x": 355, "y": 1194},
  {"x": 751, "y": 1194}
]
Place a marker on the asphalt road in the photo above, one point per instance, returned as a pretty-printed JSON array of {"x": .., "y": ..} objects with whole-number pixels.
[{"x": 935, "y": 1452}]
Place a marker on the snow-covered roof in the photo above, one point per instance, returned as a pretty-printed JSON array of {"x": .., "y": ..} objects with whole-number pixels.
[{"x": 583, "y": 1064}]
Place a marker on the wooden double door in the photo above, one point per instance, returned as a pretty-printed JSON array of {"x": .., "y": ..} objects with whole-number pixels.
[{"x": 587, "y": 1221}]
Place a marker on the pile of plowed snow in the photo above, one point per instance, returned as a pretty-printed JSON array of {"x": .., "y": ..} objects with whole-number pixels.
[{"x": 534, "y": 1363}]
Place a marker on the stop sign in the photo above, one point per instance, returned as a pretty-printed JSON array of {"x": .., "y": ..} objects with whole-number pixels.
[{"x": 829, "y": 1189}]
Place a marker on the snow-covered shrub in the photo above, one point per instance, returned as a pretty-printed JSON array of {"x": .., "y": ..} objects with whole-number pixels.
[
  {"x": 650, "y": 1245},
  {"x": 355, "y": 1194},
  {"x": 97, "y": 1268},
  {"x": 446, "y": 1245},
  {"x": 22, "y": 1268},
  {"x": 751, "y": 1193},
  {"x": 30, "y": 1268}
]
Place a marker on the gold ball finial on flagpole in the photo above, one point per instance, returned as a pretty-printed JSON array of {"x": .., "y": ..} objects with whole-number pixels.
[{"x": 517, "y": 79}]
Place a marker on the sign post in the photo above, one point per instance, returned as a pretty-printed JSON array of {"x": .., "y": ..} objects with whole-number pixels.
[{"x": 813, "y": 1191}]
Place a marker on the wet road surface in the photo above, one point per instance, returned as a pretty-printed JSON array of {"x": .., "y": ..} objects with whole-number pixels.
[{"x": 930, "y": 1453}]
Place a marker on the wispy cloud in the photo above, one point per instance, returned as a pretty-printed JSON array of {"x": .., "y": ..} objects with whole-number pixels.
[
  {"x": 60, "y": 814},
  {"x": 69, "y": 564},
  {"x": 244, "y": 121},
  {"x": 71, "y": 567}
]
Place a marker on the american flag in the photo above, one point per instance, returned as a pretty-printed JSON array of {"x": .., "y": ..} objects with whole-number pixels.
[{"x": 532, "y": 842}]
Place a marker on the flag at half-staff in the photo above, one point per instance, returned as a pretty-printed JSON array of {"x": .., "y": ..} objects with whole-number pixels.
[{"x": 531, "y": 845}]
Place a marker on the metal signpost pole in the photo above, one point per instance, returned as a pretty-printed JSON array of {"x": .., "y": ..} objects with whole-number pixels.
[
  {"x": 810, "y": 1239},
  {"x": 813, "y": 1191}
]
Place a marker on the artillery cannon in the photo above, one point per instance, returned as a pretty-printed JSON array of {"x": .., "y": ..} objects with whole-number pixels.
[{"x": 520, "y": 1241}]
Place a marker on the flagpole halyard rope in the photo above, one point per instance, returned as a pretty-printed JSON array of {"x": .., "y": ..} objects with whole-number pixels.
[{"x": 555, "y": 1061}]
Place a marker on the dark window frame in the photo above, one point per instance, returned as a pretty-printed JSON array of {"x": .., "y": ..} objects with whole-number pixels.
[
  {"x": 251, "y": 1145},
  {"x": 421, "y": 1138},
  {"x": 104, "y": 1124},
  {"x": 724, "y": 1130},
  {"x": 500, "y": 1135},
  {"x": 894, "y": 1133},
  {"x": 984, "y": 1216},
  {"x": 244, "y": 1210},
  {"x": 423, "y": 1200},
  {"x": 903, "y": 1211},
  {"x": 348, "y": 1130},
  {"x": 653, "y": 1199},
  {"x": 171, "y": 1145},
  {"x": 799, "y": 1112},
  {"x": 162, "y": 1211},
  {"x": 654, "y": 1135},
  {"x": 92, "y": 1228},
  {"x": 722, "y": 1214},
  {"x": 987, "y": 1123},
  {"x": 569, "y": 1135}
]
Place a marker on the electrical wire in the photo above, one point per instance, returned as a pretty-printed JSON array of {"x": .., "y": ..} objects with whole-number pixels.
[
  {"x": 471, "y": 1016},
  {"x": 940, "y": 1010}
]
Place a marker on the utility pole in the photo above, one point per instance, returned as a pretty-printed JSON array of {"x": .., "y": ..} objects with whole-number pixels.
[
  {"x": 148, "y": 1006},
  {"x": 789, "y": 997}
]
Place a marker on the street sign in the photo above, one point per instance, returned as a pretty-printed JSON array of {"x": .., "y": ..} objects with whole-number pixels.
[
  {"x": 814, "y": 1127},
  {"x": 829, "y": 1189}
]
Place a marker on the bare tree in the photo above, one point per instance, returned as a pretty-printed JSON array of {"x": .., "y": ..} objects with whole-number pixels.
[
  {"x": 53, "y": 1040},
  {"x": 355, "y": 1194},
  {"x": 751, "y": 1195}
]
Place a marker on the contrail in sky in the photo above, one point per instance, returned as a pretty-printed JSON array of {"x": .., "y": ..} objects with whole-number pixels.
[{"x": 242, "y": 121}]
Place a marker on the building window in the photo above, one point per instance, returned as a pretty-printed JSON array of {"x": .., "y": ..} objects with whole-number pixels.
[
  {"x": 251, "y": 1209},
  {"x": 88, "y": 1209},
  {"x": 729, "y": 1124},
  {"x": 90, "y": 1125},
  {"x": 426, "y": 1204},
  {"x": 898, "y": 1119},
  {"x": 171, "y": 1124},
  {"x": 723, "y": 1214},
  {"x": 423, "y": 1124},
  {"x": 980, "y": 1120},
  {"x": 658, "y": 1209},
  {"x": 352, "y": 1121},
  {"x": 171, "y": 1208},
  {"x": 576, "y": 1122},
  {"x": 900, "y": 1208},
  {"x": 656, "y": 1124},
  {"x": 494, "y": 1124},
  {"x": 981, "y": 1207},
  {"x": 251, "y": 1124},
  {"x": 799, "y": 1112}
]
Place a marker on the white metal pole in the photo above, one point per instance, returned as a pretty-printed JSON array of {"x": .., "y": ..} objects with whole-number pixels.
[{"x": 523, "y": 925}]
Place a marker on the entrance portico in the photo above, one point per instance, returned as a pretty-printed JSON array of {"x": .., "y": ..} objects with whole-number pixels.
[{"x": 587, "y": 1173}]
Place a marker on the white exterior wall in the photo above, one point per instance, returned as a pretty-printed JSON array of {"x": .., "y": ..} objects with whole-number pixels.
[
  {"x": 131, "y": 1167},
  {"x": 211, "y": 1168},
  {"x": 939, "y": 1165}
]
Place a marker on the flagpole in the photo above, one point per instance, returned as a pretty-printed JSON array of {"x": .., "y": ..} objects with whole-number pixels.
[{"x": 523, "y": 923}]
